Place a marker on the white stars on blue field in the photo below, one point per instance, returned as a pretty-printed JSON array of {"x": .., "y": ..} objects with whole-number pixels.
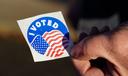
[{"x": 40, "y": 45}]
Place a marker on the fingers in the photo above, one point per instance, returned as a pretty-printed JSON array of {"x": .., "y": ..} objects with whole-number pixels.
[
  {"x": 112, "y": 47},
  {"x": 92, "y": 45},
  {"x": 94, "y": 72},
  {"x": 89, "y": 48},
  {"x": 82, "y": 65},
  {"x": 77, "y": 50},
  {"x": 92, "y": 48}
]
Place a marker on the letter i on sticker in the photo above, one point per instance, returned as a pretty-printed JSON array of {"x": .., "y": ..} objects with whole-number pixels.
[{"x": 47, "y": 36}]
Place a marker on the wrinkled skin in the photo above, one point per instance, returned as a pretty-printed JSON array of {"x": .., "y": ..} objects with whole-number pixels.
[{"x": 113, "y": 47}]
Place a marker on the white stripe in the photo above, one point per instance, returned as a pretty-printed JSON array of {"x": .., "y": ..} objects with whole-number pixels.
[
  {"x": 58, "y": 32},
  {"x": 57, "y": 44},
  {"x": 59, "y": 48},
  {"x": 55, "y": 41},
  {"x": 49, "y": 36}
]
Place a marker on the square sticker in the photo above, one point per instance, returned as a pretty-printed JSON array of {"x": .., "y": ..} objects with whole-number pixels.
[{"x": 47, "y": 36}]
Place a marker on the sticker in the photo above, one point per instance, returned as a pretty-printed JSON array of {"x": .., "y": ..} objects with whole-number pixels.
[{"x": 47, "y": 36}]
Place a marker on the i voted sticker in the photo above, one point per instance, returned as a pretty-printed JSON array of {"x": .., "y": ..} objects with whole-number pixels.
[{"x": 47, "y": 36}]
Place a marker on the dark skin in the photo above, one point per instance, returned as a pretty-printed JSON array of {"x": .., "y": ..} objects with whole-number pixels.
[{"x": 112, "y": 47}]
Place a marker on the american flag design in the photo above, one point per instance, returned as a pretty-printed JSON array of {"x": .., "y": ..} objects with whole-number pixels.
[{"x": 51, "y": 44}]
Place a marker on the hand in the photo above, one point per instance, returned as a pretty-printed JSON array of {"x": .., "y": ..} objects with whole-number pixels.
[{"x": 110, "y": 48}]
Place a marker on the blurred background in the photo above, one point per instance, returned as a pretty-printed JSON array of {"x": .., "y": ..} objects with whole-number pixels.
[{"x": 80, "y": 16}]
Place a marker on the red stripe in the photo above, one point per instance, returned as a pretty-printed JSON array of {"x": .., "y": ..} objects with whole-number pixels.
[
  {"x": 56, "y": 43},
  {"x": 60, "y": 47},
  {"x": 57, "y": 47},
  {"x": 49, "y": 51},
  {"x": 45, "y": 34},
  {"x": 54, "y": 39},
  {"x": 58, "y": 52},
  {"x": 53, "y": 31},
  {"x": 52, "y": 53},
  {"x": 52, "y": 36},
  {"x": 50, "y": 33}
]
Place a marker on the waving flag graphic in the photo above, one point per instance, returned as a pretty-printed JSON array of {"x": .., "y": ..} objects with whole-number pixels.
[
  {"x": 57, "y": 43},
  {"x": 54, "y": 42}
]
